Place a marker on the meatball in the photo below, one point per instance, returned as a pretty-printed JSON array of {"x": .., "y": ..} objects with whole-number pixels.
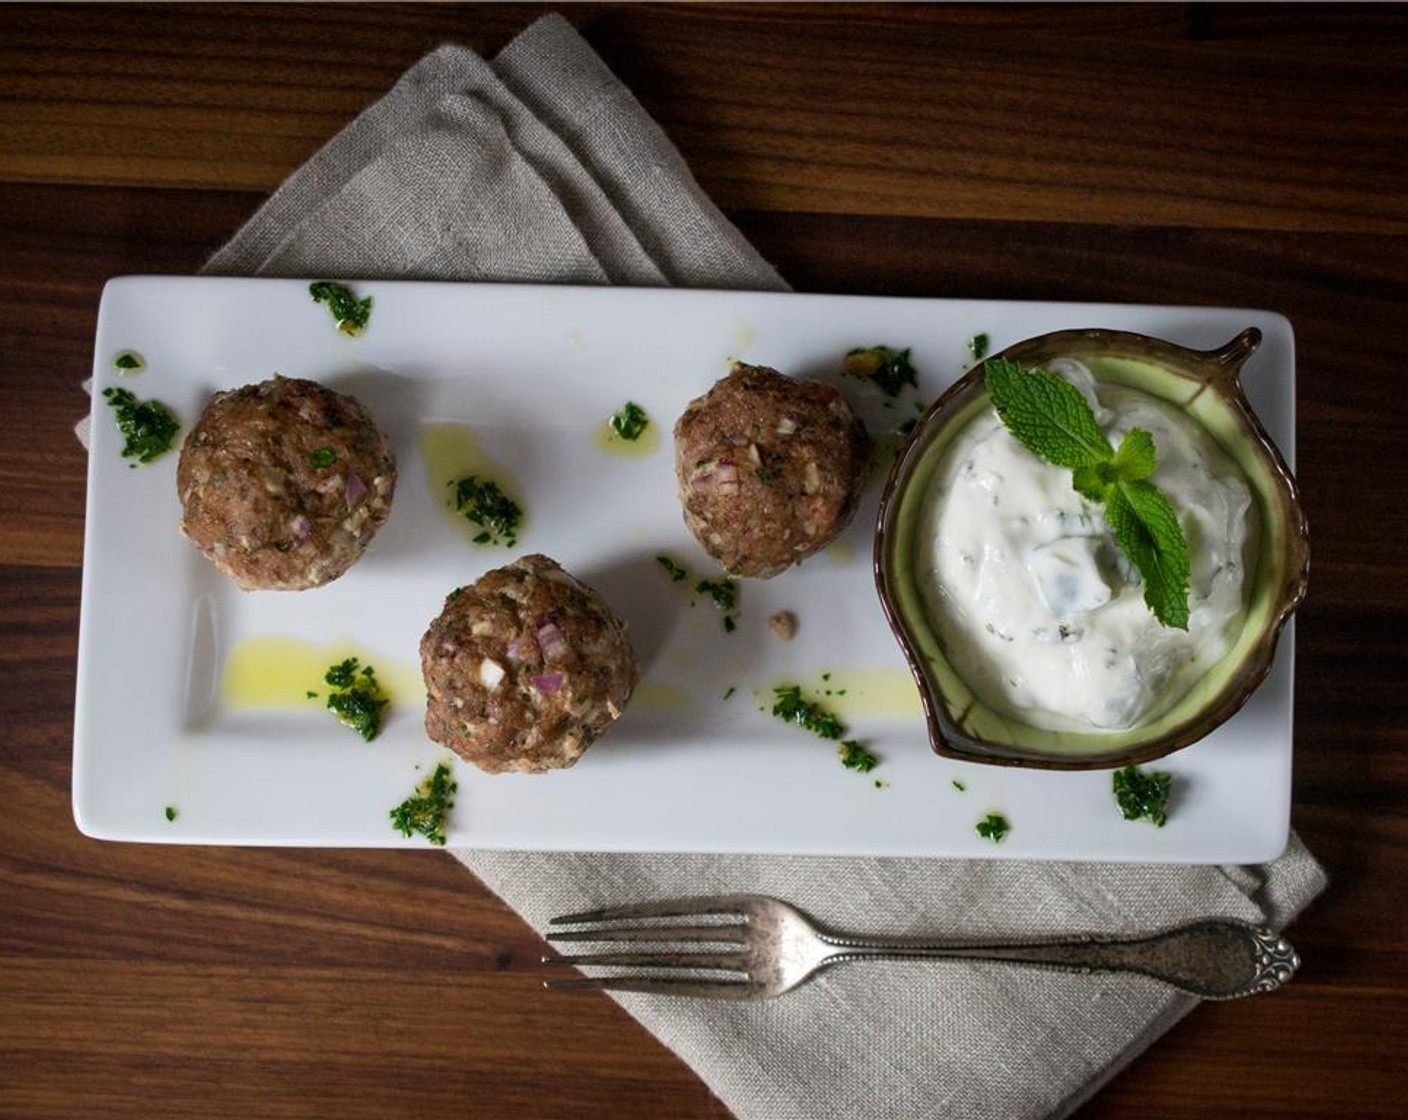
[
  {"x": 283, "y": 484},
  {"x": 525, "y": 668},
  {"x": 770, "y": 469}
]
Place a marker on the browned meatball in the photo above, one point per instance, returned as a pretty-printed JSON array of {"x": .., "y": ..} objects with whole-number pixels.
[
  {"x": 525, "y": 668},
  {"x": 283, "y": 484},
  {"x": 770, "y": 469}
]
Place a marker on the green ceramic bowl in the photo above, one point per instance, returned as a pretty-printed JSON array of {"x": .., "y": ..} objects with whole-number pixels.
[{"x": 1205, "y": 385}]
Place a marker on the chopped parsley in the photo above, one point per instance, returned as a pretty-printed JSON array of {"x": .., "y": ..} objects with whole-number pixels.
[
  {"x": 728, "y": 692},
  {"x": 148, "y": 427},
  {"x": 856, "y": 757},
  {"x": 724, "y": 593},
  {"x": 486, "y": 505},
  {"x": 350, "y": 313},
  {"x": 343, "y": 674},
  {"x": 959, "y": 786},
  {"x": 675, "y": 570},
  {"x": 630, "y": 421},
  {"x": 356, "y": 698},
  {"x": 171, "y": 812},
  {"x": 792, "y": 707},
  {"x": 994, "y": 827},
  {"x": 426, "y": 810},
  {"x": 1142, "y": 794},
  {"x": 128, "y": 361},
  {"x": 978, "y": 347},
  {"x": 888, "y": 369},
  {"x": 323, "y": 457}
]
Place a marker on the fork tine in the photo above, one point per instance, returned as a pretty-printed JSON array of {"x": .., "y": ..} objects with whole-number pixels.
[
  {"x": 728, "y": 904},
  {"x": 727, "y": 962},
  {"x": 663, "y": 986},
  {"x": 734, "y": 933}
]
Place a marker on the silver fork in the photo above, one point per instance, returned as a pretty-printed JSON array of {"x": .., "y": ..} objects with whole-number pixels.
[{"x": 769, "y": 948}]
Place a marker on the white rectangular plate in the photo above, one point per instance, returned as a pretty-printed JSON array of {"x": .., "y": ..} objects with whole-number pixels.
[{"x": 534, "y": 372}]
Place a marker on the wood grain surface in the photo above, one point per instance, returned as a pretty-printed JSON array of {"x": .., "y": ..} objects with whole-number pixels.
[{"x": 1220, "y": 155}]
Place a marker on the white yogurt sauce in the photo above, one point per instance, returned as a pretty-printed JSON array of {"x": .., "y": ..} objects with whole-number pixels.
[{"x": 1041, "y": 614}]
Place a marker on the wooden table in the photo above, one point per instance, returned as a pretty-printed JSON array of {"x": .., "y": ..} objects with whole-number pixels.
[{"x": 1197, "y": 154}]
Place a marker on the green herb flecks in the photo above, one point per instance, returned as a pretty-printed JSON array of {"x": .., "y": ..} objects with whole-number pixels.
[
  {"x": 350, "y": 313},
  {"x": 1049, "y": 417},
  {"x": 482, "y": 502},
  {"x": 343, "y": 674},
  {"x": 673, "y": 568},
  {"x": 1142, "y": 795},
  {"x": 978, "y": 347},
  {"x": 724, "y": 594},
  {"x": 128, "y": 361},
  {"x": 959, "y": 786},
  {"x": 856, "y": 757},
  {"x": 888, "y": 369},
  {"x": 356, "y": 699},
  {"x": 629, "y": 422},
  {"x": 148, "y": 427},
  {"x": 994, "y": 827},
  {"x": 791, "y": 706},
  {"x": 323, "y": 458},
  {"x": 426, "y": 811},
  {"x": 171, "y": 813}
]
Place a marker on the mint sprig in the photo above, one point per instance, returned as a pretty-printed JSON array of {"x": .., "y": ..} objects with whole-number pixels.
[{"x": 1048, "y": 416}]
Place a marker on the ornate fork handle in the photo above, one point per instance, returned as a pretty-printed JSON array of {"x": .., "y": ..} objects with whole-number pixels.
[{"x": 1214, "y": 959}]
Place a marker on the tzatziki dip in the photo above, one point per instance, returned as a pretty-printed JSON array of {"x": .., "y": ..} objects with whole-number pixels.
[{"x": 1038, "y": 610}]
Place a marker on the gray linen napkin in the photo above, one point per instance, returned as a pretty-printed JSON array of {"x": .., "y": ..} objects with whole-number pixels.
[{"x": 540, "y": 165}]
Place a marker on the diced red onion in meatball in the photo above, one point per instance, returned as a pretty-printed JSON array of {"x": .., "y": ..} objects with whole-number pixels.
[
  {"x": 525, "y": 668},
  {"x": 769, "y": 468}
]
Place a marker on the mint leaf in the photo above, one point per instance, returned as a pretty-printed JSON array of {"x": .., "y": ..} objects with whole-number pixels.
[
  {"x": 1093, "y": 482},
  {"x": 1135, "y": 458},
  {"x": 1049, "y": 417},
  {"x": 1046, "y": 414},
  {"x": 1147, "y": 530}
]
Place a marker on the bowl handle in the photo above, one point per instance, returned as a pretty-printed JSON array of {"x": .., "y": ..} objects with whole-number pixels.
[{"x": 1228, "y": 359}]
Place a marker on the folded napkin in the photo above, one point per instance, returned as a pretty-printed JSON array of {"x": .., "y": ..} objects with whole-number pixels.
[{"x": 540, "y": 166}]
